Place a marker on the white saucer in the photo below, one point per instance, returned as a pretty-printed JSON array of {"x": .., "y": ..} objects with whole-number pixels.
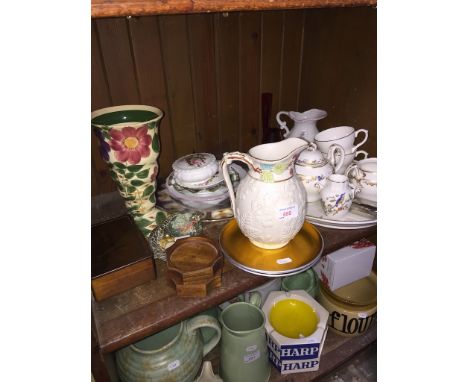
[{"x": 356, "y": 218}]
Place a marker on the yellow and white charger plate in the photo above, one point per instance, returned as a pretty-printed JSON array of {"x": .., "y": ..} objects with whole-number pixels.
[{"x": 301, "y": 253}]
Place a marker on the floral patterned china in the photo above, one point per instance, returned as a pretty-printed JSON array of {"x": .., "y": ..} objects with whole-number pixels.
[{"x": 194, "y": 170}]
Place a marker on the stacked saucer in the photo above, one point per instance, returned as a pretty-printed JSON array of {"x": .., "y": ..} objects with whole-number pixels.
[{"x": 197, "y": 181}]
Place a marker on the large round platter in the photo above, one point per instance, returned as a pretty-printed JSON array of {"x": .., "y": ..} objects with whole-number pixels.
[
  {"x": 302, "y": 252},
  {"x": 356, "y": 218}
]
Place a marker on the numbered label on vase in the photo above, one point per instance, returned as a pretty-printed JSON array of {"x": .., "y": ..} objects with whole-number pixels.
[
  {"x": 173, "y": 365},
  {"x": 289, "y": 212},
  {"x": 252, "y": 357}
]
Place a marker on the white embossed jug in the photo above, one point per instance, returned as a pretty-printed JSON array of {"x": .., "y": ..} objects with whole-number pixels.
[
  {"x": 270, "y": 203},
  {"x": 305, "y": 124}
]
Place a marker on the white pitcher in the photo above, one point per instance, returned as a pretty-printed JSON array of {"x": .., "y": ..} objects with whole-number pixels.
[
  {"x": 270, "y": 203},
  {"x": 337, "y": 196},
  {"x": 305, "y": 124}
]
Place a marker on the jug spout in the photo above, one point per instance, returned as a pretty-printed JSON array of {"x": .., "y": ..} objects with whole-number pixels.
[{"x": 279, "y": 151}]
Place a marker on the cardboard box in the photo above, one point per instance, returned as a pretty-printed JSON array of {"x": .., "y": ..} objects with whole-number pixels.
[{"x": 346, "y": 265}]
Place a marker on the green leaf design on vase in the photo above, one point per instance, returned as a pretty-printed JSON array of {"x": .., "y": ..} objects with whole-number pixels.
[
  {"x": 135, "y": 168},
  {"x": 152, "y": 198},
  {"x": 136, "y": 182},
  {"x": 155, "y": 143},
  {"x": 143, "y": 174},
  {"x": 130, "y": 189},
  {"x": 119, "y": 165},
  {"x": 148, "y": 191},
  {"x": 129, "y": 175}
]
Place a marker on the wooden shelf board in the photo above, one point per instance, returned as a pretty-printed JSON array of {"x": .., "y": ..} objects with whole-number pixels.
[
  {"x": 116, "y": 8},
  {"x": 154, "y": 306}
]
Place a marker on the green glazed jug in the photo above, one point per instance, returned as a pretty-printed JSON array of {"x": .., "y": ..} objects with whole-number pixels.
[
  {"x": 307, "y": 281},
  {"x": 174, "y": 354},
  {"x": 244, "y": 353}
]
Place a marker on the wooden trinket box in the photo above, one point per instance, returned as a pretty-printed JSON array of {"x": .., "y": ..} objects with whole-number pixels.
[
  {"x": 121, "y": 258},
  {"x": 195, "y": 266}
]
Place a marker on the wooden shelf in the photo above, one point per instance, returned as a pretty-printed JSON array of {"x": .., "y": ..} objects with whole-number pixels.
[
  {"x": 116, "y": 8},
  {"x": 154, "y": 306}
]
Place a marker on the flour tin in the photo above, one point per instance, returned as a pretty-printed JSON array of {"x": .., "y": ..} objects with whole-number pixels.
[{"x": 296, "y": 329}]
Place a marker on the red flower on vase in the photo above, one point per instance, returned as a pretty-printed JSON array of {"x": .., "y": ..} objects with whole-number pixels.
[{"x": 130, "y": 144}]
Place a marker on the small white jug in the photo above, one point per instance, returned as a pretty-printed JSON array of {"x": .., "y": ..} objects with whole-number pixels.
[
  {"x": 337, "y": 196},
  {"x": 305, "y": 124}
]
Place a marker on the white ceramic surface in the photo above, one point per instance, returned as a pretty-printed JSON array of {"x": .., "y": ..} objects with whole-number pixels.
[
  {"x": 305, "y": 124},
  {"x": 337, "y": 196},
  {"x": 363, "y": 174},
  {"x": 192, "y": 169},
  {"x": 313, "y": 168},
  {"x": 269, "y": 204},
  {"x": 341, "y": 135},
  {"x": 355, "y": 218}
]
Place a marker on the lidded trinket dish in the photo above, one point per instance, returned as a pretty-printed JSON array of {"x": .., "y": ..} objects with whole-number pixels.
[{"x": 194, "y": 170}]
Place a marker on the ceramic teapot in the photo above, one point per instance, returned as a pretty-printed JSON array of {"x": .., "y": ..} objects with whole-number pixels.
[
  {"x": 313, "y": 168},
  {"x": 270, "y": 202},
  {"x": 305, "y": 124}
]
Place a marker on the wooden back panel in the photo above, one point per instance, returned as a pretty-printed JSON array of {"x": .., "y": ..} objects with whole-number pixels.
[{"x": 207, "y": 72}]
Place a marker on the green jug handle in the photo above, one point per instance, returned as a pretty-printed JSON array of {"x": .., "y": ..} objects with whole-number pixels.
[
  {"x": 205, "y": 321},
  {"x": 255, "y": 298}
]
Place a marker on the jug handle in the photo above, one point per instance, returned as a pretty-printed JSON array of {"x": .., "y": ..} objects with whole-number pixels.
[
  {"x": 255, "y": 298},
  {"x": 282, "y": 124},
  {"x": 332, "y": 151},
  {"x": 205, "y": 321},
  {"x": 228, "y": 158}
]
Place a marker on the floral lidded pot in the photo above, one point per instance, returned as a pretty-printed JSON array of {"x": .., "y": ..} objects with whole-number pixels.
[
  {"x": 313, "y": 168},
  {"x": 269, "y": 204},
  {"x": 129, "y": 143}
]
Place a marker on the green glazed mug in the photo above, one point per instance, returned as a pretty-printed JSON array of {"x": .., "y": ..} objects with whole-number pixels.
[
  {"x": 307, "y": 281},
  {"x": 244, "y": 352}
]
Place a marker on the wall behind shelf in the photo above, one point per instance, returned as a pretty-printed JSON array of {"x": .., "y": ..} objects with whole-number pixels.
[{"x": 207, "y": 73}]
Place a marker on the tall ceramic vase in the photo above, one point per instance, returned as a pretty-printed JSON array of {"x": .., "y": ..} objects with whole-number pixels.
[{"x": 129, "y": 143}]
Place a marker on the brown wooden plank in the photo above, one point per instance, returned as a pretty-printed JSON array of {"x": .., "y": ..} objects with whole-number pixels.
[
  {"x": 339, "y": 68},
  {"x": 227, "y": 71},
  {"x": 249, "y": 63},
  {"x": 112, "y": 8},
  {"x": 272, "y": 46},
  {"x": 176, "y": 59},
  {"x": 203, "y": 69},
  {"x": 144, "y": 32},
  {"x": 118, "y": 61},
  {"x": 101, "y": 182},
  {"x": 292, "y": 59}
]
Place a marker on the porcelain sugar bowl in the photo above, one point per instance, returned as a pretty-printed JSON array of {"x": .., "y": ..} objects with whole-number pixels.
[{"x": 313, "y": 168}]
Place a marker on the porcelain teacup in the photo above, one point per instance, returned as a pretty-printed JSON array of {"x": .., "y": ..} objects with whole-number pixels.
[
  {"x": 363, "y": 174},
  {"x": 341, "y": 135},
  {"x": 349, "y": 158}
]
